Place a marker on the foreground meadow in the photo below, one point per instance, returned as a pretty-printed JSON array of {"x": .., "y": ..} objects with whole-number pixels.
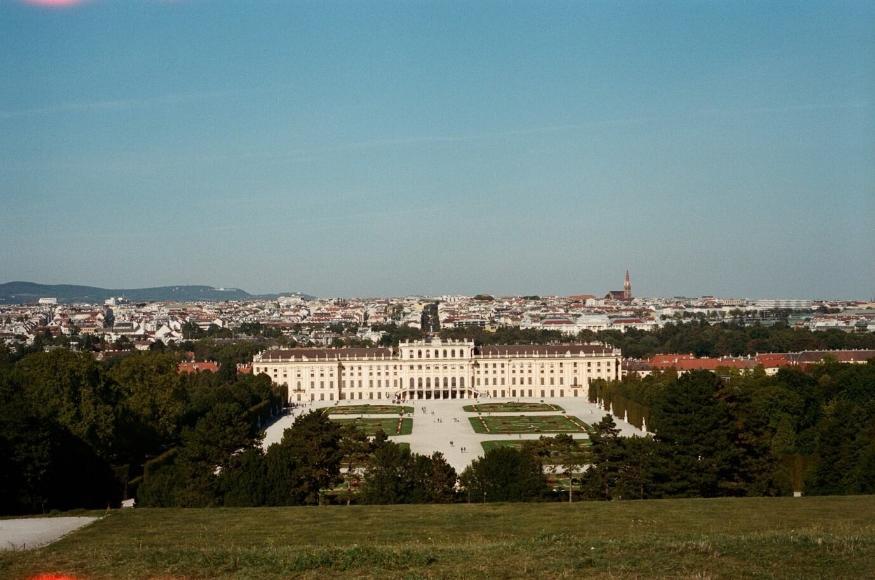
[{"x": 758, "y": 537}]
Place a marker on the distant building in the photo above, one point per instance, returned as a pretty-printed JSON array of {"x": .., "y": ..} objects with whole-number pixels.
[
  {"x": 784, "y": 304},
  {"x": 624, "y": 295},
  {"x": 769, "y": 362},
  {"x": 207, "y": 366},
  {"x": 48, "y": 301},
  {"x": 439, "y": 369}
]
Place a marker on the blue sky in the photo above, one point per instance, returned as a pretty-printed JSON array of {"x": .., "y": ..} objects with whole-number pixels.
[{"x": 387, "y": 148}]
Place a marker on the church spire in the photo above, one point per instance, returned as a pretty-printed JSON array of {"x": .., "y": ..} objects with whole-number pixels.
[{"x": 627, "y": 287}]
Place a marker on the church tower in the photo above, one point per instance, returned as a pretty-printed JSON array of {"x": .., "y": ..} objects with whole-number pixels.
[{"x": 627, "y": 287}]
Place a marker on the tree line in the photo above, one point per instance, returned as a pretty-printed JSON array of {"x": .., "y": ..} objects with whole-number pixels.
[
  {"x": 740, "y": 433},
  {"x": 319, "y": 462},
  {"x": 731, "y": 339},
  {"x": 76, "y": 432},
  {"x": 699, "y": 338}
]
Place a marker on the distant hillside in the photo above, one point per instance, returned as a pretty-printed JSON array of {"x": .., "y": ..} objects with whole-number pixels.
[{"x": 29, "y": 292}]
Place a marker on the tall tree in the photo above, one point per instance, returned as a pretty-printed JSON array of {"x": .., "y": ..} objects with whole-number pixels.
[
  {"x": 306, "y": 462},
  {"x": 607, "y": 459},
  {"x": 433, "y": 479},
  {"x": 697, "y": 439},
  {"x": 504, "y": 474},
  {"x": 244, "y": 482},
  {"x": 389, "y": 476}
]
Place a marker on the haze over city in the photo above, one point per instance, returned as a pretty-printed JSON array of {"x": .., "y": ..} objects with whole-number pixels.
[{"x": 388, "y": 149}]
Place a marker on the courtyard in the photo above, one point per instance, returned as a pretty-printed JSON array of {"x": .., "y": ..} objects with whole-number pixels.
[{"x": 443, "y": 425}]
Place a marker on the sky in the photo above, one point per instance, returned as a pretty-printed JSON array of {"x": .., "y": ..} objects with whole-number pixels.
[{"x": 392, "y": 148}]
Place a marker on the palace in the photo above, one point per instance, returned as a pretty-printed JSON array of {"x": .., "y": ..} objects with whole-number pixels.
[{"x": 439, "y": 369}]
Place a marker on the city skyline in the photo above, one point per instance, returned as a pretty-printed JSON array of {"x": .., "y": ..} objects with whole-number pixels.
[
  {"x": 453, "y": 148},
  {"x": 218, "y": 289}
]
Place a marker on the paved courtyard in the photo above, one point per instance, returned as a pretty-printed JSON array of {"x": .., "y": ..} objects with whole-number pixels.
[
  {"x": 442, "y": 425},
  {"x": 29, "y": 533}
]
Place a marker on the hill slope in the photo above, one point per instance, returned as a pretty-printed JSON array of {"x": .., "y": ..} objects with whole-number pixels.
[
  {"x": 29, "y": 292},
  {"x": 757, "y": 537}
]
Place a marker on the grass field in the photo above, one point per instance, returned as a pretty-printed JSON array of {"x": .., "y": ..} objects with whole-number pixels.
[
  {"x": 511, "y": 407},
  {"x": 724, "y": 538},
  {"x": 580, "y": 457},
  {"x": 369, "y": 410},
  {"x": 527, "y": 424},
  {"x": 391, "y": 426}
]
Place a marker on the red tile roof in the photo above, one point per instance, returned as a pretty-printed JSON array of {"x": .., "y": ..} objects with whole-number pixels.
[
  {"x": 325, "y": 354},
  {"x": 196, "y": 367},
  {"x": 519, "y": 350}
]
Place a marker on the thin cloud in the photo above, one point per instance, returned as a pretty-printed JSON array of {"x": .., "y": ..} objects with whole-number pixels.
[
  {"x": 800, "y": 108},
  {"x": 120, "y": 104},
  {"x": 311, "y": 153}
]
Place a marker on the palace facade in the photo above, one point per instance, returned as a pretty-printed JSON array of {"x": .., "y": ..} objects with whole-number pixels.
[{"x": 439, "y": 369}]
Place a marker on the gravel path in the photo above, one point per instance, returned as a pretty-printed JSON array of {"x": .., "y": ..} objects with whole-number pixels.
[{"x": 28, "y": 533}]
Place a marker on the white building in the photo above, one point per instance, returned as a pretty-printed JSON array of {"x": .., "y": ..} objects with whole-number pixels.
[
  {"x": 784, "y": 303},
  {"x": 436, "y": 369}
]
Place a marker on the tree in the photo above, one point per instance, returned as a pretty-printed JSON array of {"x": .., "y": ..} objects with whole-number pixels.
[
  {"x": 356, "y": 449},
  {"x": 244, "y": 482},
  {"x": 504, "y": 474},
  {"x": 601, "y": 479},
  {"x": 219, "y": 434},
  {"x": 190, "y": 330},
  {"x": 154, "y": 399},
  {"x": 71, "y": 389},
  {"x": 563, "y": 454},
  {"x": 697, "y": 439},
  {"x": 635, "y": 478},
  {"x": 389, "y": 479},
  {"x": 305, "y": 462},
  {"x": 433, "y": 479}
]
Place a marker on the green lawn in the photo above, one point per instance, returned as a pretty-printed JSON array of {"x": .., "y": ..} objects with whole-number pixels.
[
  {"x": 511, "y": 407},
  {"x": 369, "y": 410},
  {"x": 527, "y": 424},
  {"x": 391, "y": 426},
  {"x": 832, "y": 537}
]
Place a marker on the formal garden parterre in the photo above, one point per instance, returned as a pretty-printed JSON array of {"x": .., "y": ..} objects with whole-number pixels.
[
  {"x": 390, "y": 426},
  {"x": 513, "y": 424},
  {"x": 511, "y": 407},
  {"x": 370, "y": 410}
]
